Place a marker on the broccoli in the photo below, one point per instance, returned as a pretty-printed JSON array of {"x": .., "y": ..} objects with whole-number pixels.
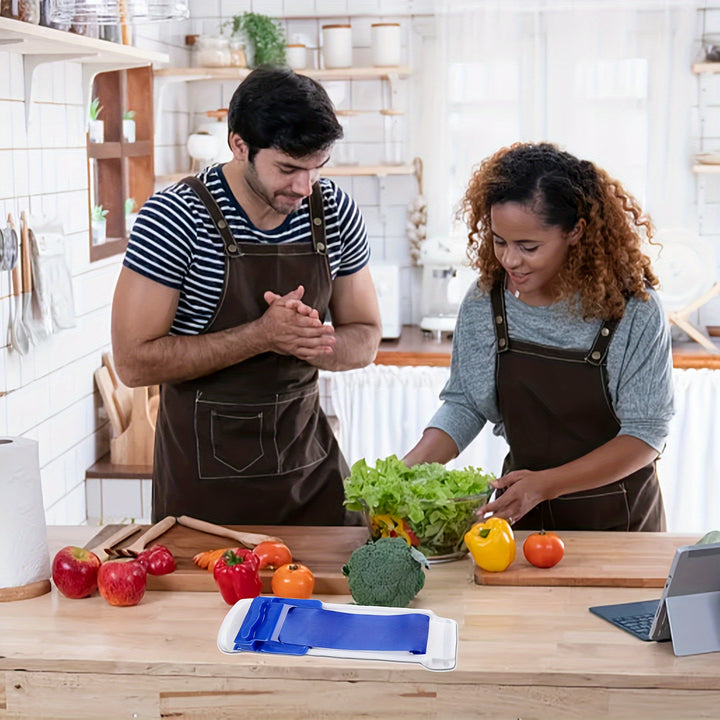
[{"x": 385, "y": 572}]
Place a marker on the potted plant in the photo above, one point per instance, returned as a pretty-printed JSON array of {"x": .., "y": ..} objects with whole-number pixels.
[
  {"x": 96, "y": 127},
  {"x": 128, "y": 126},
  {"x": 264, "y": 35},
  {"x": 130, "y": 214},
  {"x": 98, "y": 224}
]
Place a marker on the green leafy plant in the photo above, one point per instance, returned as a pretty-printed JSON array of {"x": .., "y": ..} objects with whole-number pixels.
[
  {"x": 264, "y": 34},
  {"x": 129, "y": 206},
  {"x": 98, "y": 213},
  {"x": 128, "y": 115},
  {"x": 95, "y": 109}
]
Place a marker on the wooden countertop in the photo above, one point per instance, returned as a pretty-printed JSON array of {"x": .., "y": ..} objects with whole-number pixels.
[
  {"x": 416, "y": 347},
  {"x": 530, "y": 652}
]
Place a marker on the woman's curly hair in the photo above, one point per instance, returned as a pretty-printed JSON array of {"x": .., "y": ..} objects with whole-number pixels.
[{"x": 606, "y": 266}]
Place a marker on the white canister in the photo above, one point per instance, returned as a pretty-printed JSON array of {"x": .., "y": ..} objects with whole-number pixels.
[
  {"x": 296, "y": 56},
  {"x": 385, "y": 44},
  {"x": 337, "y": 46}
]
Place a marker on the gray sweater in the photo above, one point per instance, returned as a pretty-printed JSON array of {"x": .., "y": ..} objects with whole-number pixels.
[{"x": 639, "y": 364}]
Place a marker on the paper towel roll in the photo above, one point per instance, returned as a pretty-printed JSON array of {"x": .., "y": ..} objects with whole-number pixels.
[{"x": 24, "y": 556}]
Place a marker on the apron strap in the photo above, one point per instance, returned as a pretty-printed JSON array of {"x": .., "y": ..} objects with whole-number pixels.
[
  {"x": 317, "y": 220},
  {"x": 231, "y": 247},
  {"x": 598, "y": 352},
  {"x": 497, "y": 301}
]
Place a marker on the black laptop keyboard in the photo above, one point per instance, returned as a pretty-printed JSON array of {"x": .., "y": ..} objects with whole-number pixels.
[{"x": 637, "y": 624}]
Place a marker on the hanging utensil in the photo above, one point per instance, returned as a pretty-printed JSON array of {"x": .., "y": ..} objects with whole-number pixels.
[
  {"x": 8, "y": 256},
  {"x": 34, "y": 330},
  {"x": 19, "y": 339}
]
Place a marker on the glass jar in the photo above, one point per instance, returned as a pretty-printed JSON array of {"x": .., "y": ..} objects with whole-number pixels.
[
  {"x": 25, "y": 10},
  {"x": 394, "y": 137},
  {"x": 337, "y": 46},
  {"x": 212, "y": 51},
  {"x": 344, "y": 151},
  {"x": 238, "y": 58}
]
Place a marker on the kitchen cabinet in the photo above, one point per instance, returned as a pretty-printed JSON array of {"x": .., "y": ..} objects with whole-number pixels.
[
  {"x": 120, "y": 171},
  {"x": 523, "y": 652}
]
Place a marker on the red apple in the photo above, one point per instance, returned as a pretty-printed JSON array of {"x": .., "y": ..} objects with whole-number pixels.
[
  {"x": 75, "y": 571},
  {"x": 122, "y": 582}
]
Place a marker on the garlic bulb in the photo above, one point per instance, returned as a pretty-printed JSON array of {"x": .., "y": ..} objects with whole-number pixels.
[{"x": 416, "y": 226}]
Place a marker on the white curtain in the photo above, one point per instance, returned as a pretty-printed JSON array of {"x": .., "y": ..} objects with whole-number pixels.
[
  {"x": 608, "y": 81},
  {"x": 382, "y": 410}
]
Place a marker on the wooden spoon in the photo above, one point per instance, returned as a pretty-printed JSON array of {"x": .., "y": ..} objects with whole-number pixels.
[
  {"x": 155, "y": 531},
  {"x": 249, "y": 540}
]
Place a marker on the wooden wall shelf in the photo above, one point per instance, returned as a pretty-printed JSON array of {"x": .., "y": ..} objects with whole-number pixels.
[
  {"x": 234, "y": 73},
  {"x": 39, "y": 45},
  {"x": 705, "y": 67},
  {"x": 120, "y": 170}
]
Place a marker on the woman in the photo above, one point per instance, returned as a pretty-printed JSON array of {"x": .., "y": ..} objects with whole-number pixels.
[{"x": 563, "y": 345}]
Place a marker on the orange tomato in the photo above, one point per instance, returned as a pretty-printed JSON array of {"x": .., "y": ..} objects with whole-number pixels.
[
  {"x": 293, "y": 580},
  {"x": 543, "y": 549},
  {"x": 272, "y": 554}
]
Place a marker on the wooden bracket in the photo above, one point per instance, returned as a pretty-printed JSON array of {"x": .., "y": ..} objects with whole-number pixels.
[{"x": 680, "y": 318}]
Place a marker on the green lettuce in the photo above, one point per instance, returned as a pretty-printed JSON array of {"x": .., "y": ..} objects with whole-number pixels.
[{"x": 426, "y": 496}]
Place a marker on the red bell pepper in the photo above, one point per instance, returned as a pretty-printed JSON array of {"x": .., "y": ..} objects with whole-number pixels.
[
  {"x": 236, "y": 574},
  {"x": 157, "y": 560}
]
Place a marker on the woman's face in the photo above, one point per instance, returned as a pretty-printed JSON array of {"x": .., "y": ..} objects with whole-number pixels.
[{"x": 530, "y": 252}]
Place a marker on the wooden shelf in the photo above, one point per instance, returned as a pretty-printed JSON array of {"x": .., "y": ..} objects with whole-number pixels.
[
  {"x": 234, "y": 73},
  {"x": 705, "y": 67},
  {"x": 39, "y": 45},
  {"x": 336, "y": 171},
  {"x": 705, "y": 168}
]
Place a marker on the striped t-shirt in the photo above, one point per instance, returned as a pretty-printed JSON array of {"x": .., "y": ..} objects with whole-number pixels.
[{"x": 175, "y": 243}]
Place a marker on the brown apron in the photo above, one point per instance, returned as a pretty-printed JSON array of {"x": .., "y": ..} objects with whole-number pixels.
[
  {"x": 555, "y": 407},
  {"x": 249, "y": 444}
]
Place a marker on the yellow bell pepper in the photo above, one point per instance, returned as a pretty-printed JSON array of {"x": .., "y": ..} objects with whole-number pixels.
[{"x": 491, "y": 544}]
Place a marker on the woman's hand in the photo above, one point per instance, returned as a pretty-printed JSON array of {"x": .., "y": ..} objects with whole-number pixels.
[{"x": 523, "y": 491}]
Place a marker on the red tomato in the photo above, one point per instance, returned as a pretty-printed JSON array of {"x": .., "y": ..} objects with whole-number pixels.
[
  {"x": 272, "y": 554},
  {"x": 543, "y": 549},
  {"x": 293, "y": 581}
]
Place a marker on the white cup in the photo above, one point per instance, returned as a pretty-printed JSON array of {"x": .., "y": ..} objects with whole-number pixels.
[
  {"x": 337, "y": 46},
  {"x": 385, "y": 44}
]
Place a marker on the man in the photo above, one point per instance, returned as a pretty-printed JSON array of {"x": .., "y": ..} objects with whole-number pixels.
[{"x": 221, "y": 299}]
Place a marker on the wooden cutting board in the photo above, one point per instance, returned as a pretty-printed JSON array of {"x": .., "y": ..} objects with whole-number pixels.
[
  {"x": 596, "y": 558},
  {"x": 323, "y": 549}
]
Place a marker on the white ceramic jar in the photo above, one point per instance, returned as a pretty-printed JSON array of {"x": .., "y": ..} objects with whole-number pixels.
[
  {"x": 385, "y": 44},
  {"x": 296, "y": 56},
  {"x": 337, "y": 46}
]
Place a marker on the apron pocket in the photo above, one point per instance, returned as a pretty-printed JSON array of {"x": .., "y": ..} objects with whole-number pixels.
[
  {"x": 232, "y": 440},
  {"x": 246, "y": 440},
  {"x": 604, "y": 508}
]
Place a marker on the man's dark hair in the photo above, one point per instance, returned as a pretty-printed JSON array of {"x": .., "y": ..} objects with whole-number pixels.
[{"x": 275, "y": 108}]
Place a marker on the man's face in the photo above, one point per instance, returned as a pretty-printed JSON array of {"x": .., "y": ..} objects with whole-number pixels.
[{"x": 282, "y": 181}]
